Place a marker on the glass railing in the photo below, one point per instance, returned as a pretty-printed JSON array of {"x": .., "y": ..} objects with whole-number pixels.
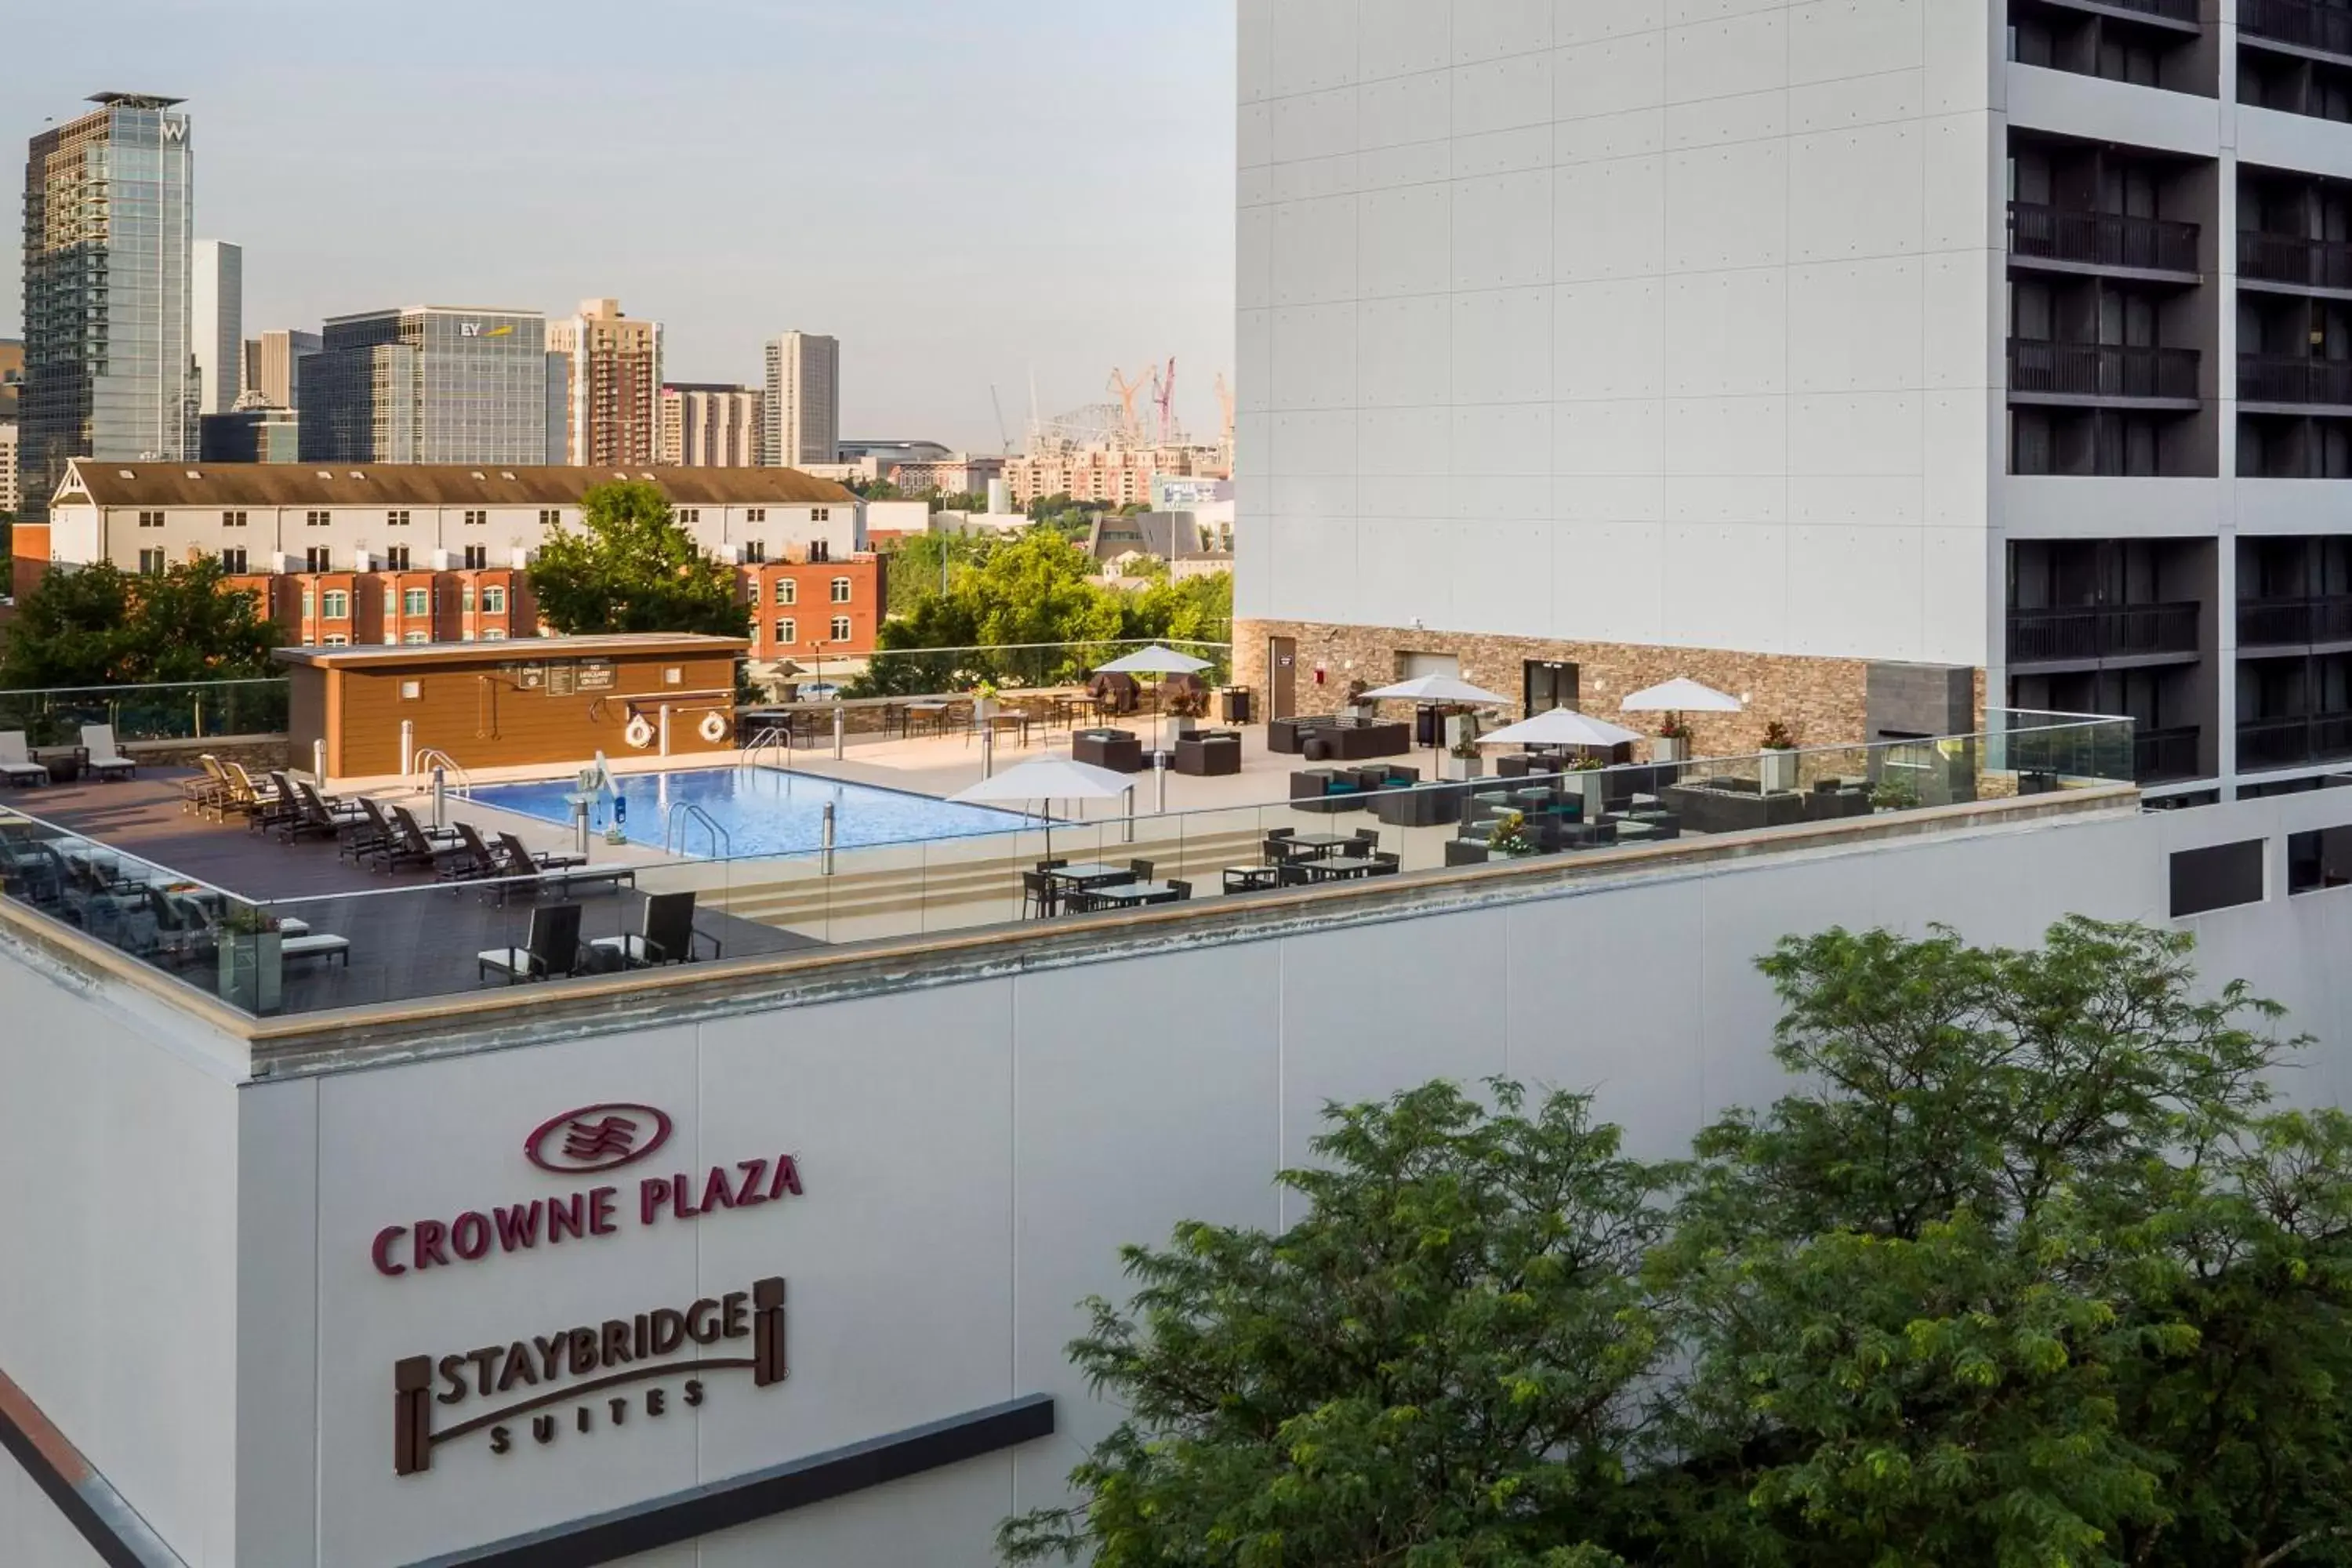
[
  {"x": 194, "y": 710},
  {"x": 356, "y": 935}
]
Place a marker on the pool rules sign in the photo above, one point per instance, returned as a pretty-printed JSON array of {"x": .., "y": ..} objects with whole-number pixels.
[{"x": 571, "y": 1382}]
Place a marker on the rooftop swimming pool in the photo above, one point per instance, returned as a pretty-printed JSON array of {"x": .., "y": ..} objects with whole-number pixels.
[{"x": 764, "y": 811}]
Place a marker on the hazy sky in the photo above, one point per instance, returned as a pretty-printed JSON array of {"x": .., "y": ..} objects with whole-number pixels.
[{"x": 962, "y": 191}]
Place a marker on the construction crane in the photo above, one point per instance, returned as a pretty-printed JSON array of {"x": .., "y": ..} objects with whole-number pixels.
[
  {"x": 1163, "y": 394},
  {"x": 1003, "y": 434},
  {"x": 1126, "y": 392}
]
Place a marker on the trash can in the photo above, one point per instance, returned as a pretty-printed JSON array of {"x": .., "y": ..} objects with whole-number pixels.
[
  {"x": 1424, "y": 726},
  {"x": 1236, "y": 705}
]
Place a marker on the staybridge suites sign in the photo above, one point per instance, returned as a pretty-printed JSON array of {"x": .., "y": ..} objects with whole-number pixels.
[{"x": 579, "y": 1379}]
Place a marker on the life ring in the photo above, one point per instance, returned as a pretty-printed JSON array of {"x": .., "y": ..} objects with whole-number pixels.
[
  {"x": 639, "y": 734},
  {"x": 713, "y": 727}
]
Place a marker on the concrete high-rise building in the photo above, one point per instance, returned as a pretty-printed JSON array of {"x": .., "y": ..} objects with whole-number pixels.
[
  {"x": 428, "y": 384},
  {"x": 109, "y": 205},
  {"x": 1858, "y": 359},
  {"x": 611, "y": 384},
  {"x": 216, "y": 335},
  {"x": 12, "y": 491},
  {"x": 12, "y": 376},
  {"x": 711, "y": 427},
  {"x": 279, "y": 357},
  {"x": 803, "y": 417}
]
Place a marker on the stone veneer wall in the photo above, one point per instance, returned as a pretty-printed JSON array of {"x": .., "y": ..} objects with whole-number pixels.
[{"x": 1822, "y": 700}]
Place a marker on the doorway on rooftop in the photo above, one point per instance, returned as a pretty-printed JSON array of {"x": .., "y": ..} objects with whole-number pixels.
[{"x": 1548, "y": 683}]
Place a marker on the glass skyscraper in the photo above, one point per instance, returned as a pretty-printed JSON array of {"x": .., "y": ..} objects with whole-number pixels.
[
  {"x": 109, "y": 214},
  {"x": 431, "y": 383}
]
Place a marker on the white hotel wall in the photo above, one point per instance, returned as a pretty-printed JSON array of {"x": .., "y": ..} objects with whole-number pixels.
[{"x": 1662, "y": 321}]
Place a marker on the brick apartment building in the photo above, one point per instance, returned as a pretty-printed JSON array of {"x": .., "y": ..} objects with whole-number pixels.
[{"x": 410, "y": 554}]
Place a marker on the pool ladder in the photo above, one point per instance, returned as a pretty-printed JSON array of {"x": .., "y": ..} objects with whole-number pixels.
[
  {"x": 723, "y": 847},
  {"x": 428, "y": 758},
  {"x": 775, "y": 738}
]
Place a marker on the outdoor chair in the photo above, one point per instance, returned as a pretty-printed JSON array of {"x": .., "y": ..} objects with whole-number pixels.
[
  {"x": 1277, "y": 843},
  {"x": 106, "y": 759},
  {"x": 200, "y": 789},
  {"x": 1140, "y": 869},
  {"x": 412, "y": 844},
  {"x": 277, "y": 804},
  {"x": 479, "y": 860},
  {"x": 1036, "y": 896},
  {"x": 551, "y": 948},
  {"x": 561, "y": 872},
  {"x": 314, "y": 814},
  {"x": 30, "y": 869},
  {"x": 1368, "y": 839},
  {"x": 1178, "y": 891},
  {"x": 16, "y": 764},
  {"x": 371, "y": 834},
  {"x": 666, "y": 935}
]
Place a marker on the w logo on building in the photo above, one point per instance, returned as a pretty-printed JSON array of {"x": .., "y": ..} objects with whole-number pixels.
[{"x": 596, "y": 1138}]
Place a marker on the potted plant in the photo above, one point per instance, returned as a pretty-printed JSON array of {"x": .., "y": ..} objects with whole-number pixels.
[
  {"x": 252, "y": 960},
  {"x": 1895, "y": 793},
  {"x": 1186, "y": 708},
  {"x": 1777, "y": 765},
  {"x": 1673, "y": 743},
  {"x": 983, "y": 701},
  {"x": 1461, "y": 761},
  {"x": 1507, "y": 839},
  {"x": 1354, "y": 704}
]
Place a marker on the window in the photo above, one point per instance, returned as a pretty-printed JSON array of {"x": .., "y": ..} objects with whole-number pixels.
[
  {"x": 310, "y": 602},
  {"x": 840, "y": 628},
  {"x": 313, "y": 520},
  {"x": 233, "y": 562},
  {"x": 2318, "y": 859},
  {"x": 685, "y": 516},
  {"x": 319, "y": 558},
  {"x": 395, "y": 520},
  {"x": 478, "y": 556},
  {"x": 818, "y": 548},
  {"x": 232, "y": 520},
  {"x": 821, "y": 514},
  {"x": 787, "y": 632},
  {"x": 493, "y": 634},
  {"x": 466, "y": 598},
  {"x": 336, "y": 605},
  {"x": 549, "y": 517},
  {"x": 752, "y": 593},
  {"x": 151, "y": 563},
  {"x": 391, "y": 603},
  {"x": 395, "y": 558},
  {"x": 338, "y": 640},
  {"x": 788, "y": 591},
  {"x": 757, "y": 514},
  {"x": 494, "y": 599},
  {"x": 841, "y": 590},
  {"x": 477, "y": 520},
  {"x": 2217, "y": 877},
  {"x": 150, "y": 520},
  {"x": 417, "y": 602},
  {"x": 755, "y": 551},
  {"x": 417, "y": 637},
  {"x": 411, "y": 690}
]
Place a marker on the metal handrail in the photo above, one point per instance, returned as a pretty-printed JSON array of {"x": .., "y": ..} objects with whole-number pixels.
[
  {"x": 777, "y": 738},
  {"x": 427, "y": 758},
  {"x": 723, "y": 846}
]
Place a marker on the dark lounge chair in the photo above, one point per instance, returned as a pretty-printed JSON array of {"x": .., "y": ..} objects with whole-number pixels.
[
  {"x": 666, "y": 935},
  {"x": 411, "y": 845},
  {"x": 559, "y": 872},
  {"x": 551, "y": 949}
]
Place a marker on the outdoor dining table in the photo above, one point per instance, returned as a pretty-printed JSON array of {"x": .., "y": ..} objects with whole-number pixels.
[
  {"x": 1252, "y": 878},
  {"x": 1127, "y": 893},
  {"x": 1316, "y": 846},
  {"x": 935, "y": 713},
  {"x": 1340, "y": 868},
  {"x": 997, "y": 723},
  {"x": 1091, "y": 874}
]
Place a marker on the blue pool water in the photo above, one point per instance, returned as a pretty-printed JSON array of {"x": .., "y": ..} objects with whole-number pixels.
[{"x": 765, "y": 811}]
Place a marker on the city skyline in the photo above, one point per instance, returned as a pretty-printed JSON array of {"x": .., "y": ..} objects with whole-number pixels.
[{"x": 934, "y": 294}]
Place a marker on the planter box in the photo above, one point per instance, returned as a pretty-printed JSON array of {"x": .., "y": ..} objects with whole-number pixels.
[
  {"x": 1779, "y": 772},
  {"x": 1459, "y": 770},
  {"x": 253, "y": 970},
  {"x": 1663, "y": 750}
]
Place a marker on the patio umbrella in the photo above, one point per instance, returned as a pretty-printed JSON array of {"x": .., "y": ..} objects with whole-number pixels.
[
  {"x": 1154, "y": 660},
  {"x": 1437, "y": 691},
  {"x": 1680, "y": 696},
  {"x": 1047, "y": 779},
  {"x": 1560, "y": 727}
]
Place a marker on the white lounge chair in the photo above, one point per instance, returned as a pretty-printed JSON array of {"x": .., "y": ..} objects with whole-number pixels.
[
  {"x": 16, "y": 764},
  {"x": 106, "y": 759}
]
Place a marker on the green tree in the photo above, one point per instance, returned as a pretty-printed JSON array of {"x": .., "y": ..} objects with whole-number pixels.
[
  {"x": 1439, "y": 1365},
  {"x": 2025, "y": 1270},
  {"x": 100, "y": 625},
  {"x": 629, "y": 567}
]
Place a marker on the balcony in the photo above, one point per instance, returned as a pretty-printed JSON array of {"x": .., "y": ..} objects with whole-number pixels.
[
  {"x": 2294, "y": 623},
  {"x": 2289, "y": 258},
  {"x": 2159, "y": 755},
  {"x": 2265, "y": 743},
  {"x": 2059, "y": 373},
  {"x": 2163, "y": 10},
  {"x": 2074, "y": 636},
  {"x": 2102, "y": 239},
  {"x": 2291, "y": 378},
  {"x": 2299, "y": 24}
]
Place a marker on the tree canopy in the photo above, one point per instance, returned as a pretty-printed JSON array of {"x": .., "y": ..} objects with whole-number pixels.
[
  {"x": 101, "y": 626},
  {"x": 2026, "y": 1268},
  {"x": 630, "y": 567}
]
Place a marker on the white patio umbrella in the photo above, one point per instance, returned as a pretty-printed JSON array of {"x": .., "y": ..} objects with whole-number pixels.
[
  {"x": 1154, "y": 660},
  {"x": 1680, "y": 696},
  {"x": 1560, "y": 727},
  {"x": 1437, "y": 691},
  {"x": 1046, "y": 779}
]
